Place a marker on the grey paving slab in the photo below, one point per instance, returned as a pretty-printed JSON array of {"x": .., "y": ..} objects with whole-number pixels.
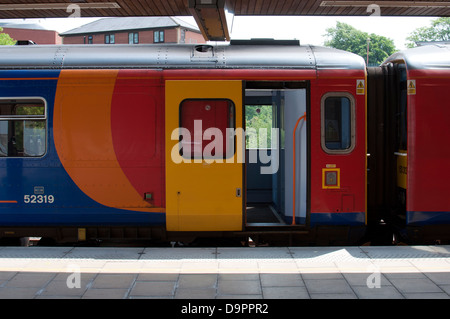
[
  {"x": 164, "y": 289},
  {"x": 157, "y": 277},
  {"x": 34, "y": 252},
  {"x": 333, "y": 296},
  {"x": 322, "y": 274},
  {"x": 237, "y": 277},
  {"x": 285, "y": 293},
  {"x": 114, "y": 281},
  {"x": 441, "y": 278},
  {"x": 215, "y": 273},
  {"x": 104, "y": 293},
  {"x": 59, "y": 288},
  {"x": 281, "y": 280},
  {"x": 196, "y": 293},
  {"x": 259, "y": 296},
  {"x": 101, "y": 253},
  {"x": 383, "y": 292},
  {"x": 197, "y": 281},
  {"x": 18, "y": 293},
  {"x": 337, "y": 286},
  {"x": 429, "y": 295},
  {"x": 30, "y": 280},
  {"x": 403, "y": 252},
  {"x": 239, "y": 287},
  {"x": 445, "y": 288},
  {"x": 415, "y": 285},
  {"x": 363, "y": 279}
]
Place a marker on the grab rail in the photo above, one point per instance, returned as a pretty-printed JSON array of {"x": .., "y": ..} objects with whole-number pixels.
[{"x": 293, "y": 151}]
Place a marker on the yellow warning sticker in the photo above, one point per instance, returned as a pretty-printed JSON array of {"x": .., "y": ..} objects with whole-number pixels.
[
  {"x": 411, "y": 86},
  {"x": 360, "y": 87}
]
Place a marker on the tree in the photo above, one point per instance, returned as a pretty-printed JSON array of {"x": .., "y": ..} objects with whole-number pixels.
[
  {"x": 5, "y": 39},
  {"x": 438, "y": 31},
  {"x": 258, "y": 119},
  {"x": 345, "y": 37}
]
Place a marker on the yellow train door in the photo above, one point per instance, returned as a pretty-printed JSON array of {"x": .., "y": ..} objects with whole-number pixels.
[{"x": 204, "y": 155}]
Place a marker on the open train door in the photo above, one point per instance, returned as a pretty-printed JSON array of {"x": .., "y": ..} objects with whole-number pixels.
[{"x": 204, "y": 155}]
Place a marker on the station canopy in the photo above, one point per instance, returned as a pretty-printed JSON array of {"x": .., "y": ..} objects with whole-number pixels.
[{"x": 214, "y": 17}]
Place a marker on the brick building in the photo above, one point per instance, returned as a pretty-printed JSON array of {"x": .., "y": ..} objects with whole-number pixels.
[
  {"x": 33, "y": 32},
  {"x": 134, "y": 30}
]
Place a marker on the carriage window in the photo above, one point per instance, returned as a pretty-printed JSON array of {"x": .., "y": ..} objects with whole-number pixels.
[
  {"x": 258, "y": 123},
  {"x": 205, "y": 126},
  {"x": 338, "y": 123},
  {"x": 22, "y": 128}
]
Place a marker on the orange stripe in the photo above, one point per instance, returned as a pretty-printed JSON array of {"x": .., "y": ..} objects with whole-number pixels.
[
  {"x": 83, "y": 138},
  {"x": 8, "y": 202}
]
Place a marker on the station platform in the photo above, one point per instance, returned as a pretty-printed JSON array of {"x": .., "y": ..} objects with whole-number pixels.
[{"x": 365, "y": 272}]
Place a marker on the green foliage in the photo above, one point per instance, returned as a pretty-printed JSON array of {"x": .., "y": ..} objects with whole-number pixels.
[
  {"x": 5, "y": 39},
  {"x": 345, "y": 37},
  {"x": 438, "y": 31},
  {"x": 258, "y": 117}
]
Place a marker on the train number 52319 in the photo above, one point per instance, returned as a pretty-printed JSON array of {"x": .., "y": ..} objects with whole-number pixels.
[{"x": 39, "y": 199}]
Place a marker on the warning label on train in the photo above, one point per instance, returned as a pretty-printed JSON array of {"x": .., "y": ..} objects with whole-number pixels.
[
  {"x": 411, "y": 85},
  {"x": 360, "y": 87}
]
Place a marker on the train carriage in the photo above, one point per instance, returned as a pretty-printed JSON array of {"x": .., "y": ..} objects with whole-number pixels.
[
  {"x": 256, "y": 139},
  {"x": 150, "y": 141},
  {"x": 409, "y": 103}
]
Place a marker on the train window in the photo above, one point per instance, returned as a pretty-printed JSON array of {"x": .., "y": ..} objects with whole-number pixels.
[
  {"x": 207, "y": 128},
  {"x": 22, "y": 128},
  {"x": 258, "y": 123},
  {"x": 338, "y": 123}
]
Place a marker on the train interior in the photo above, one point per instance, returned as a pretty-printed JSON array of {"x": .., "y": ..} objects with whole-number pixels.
[{"x": 271, "y": 116}]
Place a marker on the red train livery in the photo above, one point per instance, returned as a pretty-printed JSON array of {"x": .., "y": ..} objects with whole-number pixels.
[{"x": 268, "y": 140}]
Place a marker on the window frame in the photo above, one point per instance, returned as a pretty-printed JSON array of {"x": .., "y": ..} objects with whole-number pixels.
[
  {"x": 135, "y": 36},
  {"x": 110, "y": 38},
  {"x": 225, "y": 154},
  {"x": 351, "y": 99},
  {"x": 42, "y": 118},
  {"x": 159, "y": 32}
]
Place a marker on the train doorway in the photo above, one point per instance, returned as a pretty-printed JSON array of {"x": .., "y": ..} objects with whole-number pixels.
[{"x": 275, "y": 157}]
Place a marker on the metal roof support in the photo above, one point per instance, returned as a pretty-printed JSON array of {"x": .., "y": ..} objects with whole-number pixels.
[{"x": 213, "y": 17}]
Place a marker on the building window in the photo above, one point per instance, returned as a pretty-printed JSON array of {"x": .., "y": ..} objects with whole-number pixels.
[
  {"x": 133, "y": 38},
  {"x": 207, "y": 129},
  {"x": 158, "y": 36},
  {"x": 110, "y": 39},
  {"x": 22, "y": 128},
  {"x": 338, "y": 123},
  {"x": 90, "y": 39}
]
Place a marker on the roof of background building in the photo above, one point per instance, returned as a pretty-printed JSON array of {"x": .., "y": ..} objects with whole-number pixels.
[
  {"x": 28, "y": 26},
  {"x": 130, "y": 23}
]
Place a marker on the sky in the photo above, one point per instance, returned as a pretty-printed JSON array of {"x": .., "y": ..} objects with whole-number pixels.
[{"x": 309, "y": 30}]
